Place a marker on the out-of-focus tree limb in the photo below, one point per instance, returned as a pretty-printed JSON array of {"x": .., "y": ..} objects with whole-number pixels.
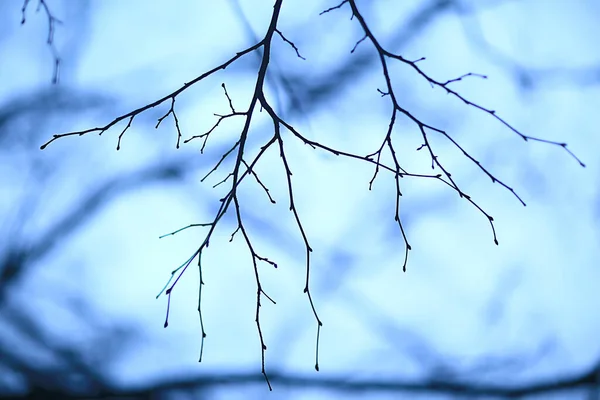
[
  {"x": 585, "y": 380},
  {"x": 13, "y": 263}
]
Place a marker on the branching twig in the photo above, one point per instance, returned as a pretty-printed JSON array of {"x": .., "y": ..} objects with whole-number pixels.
[
  {"x": 182, "y": 229},
  {"x": 221, "y": 118},
  {"x": 290, "y": 43},
  {"x": 172, "y": 95},
  {"x": 255, "y": 175},
  {"x": 172, "y": 112},
  {"x": 333, "y": 8},
  {"x": 444, "y": 85},
  {"x": 52, "y": 21}
]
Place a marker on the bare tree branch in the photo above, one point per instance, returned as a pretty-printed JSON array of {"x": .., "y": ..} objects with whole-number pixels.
[
  {"x": 52, "y": 22},
  {"x": 244, "y": 167}
]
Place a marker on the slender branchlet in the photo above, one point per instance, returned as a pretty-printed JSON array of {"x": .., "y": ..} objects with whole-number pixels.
[{"x": 52, "y": 22}]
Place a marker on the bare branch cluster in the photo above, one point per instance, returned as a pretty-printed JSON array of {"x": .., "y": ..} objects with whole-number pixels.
[{"x": 244, "y": 167}]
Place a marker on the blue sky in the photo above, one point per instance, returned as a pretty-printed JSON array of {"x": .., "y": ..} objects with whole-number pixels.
[{"x": 462, "y": 299}]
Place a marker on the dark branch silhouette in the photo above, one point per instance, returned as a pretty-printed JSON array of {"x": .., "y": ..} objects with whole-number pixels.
[
  {"x": 52, "y": 22},
  {"x": 243, "y": 167}
]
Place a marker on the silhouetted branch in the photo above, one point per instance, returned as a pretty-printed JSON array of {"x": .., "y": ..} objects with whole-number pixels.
[
  {"x": 243, "y": 167},
  {"x": 52, "y": 22}
]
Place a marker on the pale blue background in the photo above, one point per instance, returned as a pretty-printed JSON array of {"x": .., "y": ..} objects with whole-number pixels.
[{"x": 527, "y": 309}]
